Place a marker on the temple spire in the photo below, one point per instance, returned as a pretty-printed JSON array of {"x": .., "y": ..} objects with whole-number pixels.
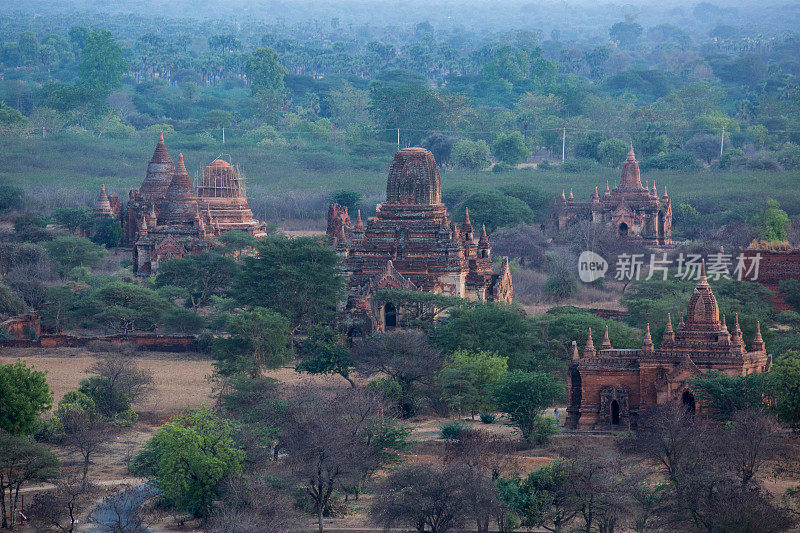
[
  {"x": 575, "y": 356},
  {"x": 669, "y": 334},
  {"x": 484, "y": 238},
  {"x": 571, "y": 197},
  {"x": 606, "y": 341},
  {"x": 631, "y": 155},
  {"x": 359, "y": 222},
  {"x": 647, "y": 343},
  {"x": 588, "y": 350},
  {"x": 467, "y": 221},
  {"x": 758, "y": 342}
]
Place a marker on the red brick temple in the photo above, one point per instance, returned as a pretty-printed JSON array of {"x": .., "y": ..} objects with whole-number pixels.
[
  {"x": 610, "y": 387},
  {"x": 412, "y": 244},
  {"x": 634, "y": 211},
  {"x": 168, "y": 217}
]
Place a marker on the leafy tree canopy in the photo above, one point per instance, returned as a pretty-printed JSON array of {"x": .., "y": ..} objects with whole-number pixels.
[{"x": 25, "y": 394}]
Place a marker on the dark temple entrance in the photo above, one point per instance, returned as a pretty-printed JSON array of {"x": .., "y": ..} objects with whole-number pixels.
[
  {"x": 389, "y": 315},
  {"x": 688, "y": 401},
  {"x": 623, "y": 230},
  {"x": 615, "y": 413}
]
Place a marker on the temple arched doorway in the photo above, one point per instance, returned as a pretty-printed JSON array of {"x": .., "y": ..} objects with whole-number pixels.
[
  {"x": 389, "y": 315},
  {"x": 614, "y": 413},
  {"x": 661, "y": 230},
  {"x": 623, "y": 230},
  {"x": 688, "y": 401}
]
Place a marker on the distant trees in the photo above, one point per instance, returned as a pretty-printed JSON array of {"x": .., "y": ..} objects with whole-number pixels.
[
  {"x": 510, "y": 148},
  {"x": 405, "y": 357},
  {"x": 259, "y": 339},
  {"x": 200, "y": 275},
  {"x": 421, "y": 496},
  {"x": 330, "y": 441},
  {"x": 774, "y": 223},
  {"x": 467, "y": 379},
  {"x": 265, "y": 71},
  {"x": 67, "y": 253},
  {"x": 102, "y": 63},
  {"x": 470, "y": 155}
]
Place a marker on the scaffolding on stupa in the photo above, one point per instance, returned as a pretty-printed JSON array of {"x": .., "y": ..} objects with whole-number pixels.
[{"x": 221, "y": 180}]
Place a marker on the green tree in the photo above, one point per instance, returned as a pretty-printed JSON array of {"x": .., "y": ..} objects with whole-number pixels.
[
  {"x": 612, "y": 151},
  {"x": 468, "y": 379},
  {"x": 67, "y": 253},
  {"x": 348, "y": 198},
  {"x": 297, "y": 278},
  {"x": 470, "y": 155},
  {"x": 22, "y": 460},
  {"x": 495, "y": 210},
  {"x": 189, "y": 458},
  {"x": 784, "y": 382},
  {"x": 11, "y": 197},
  {"x": 626, "y": 33},
  {"x": 729, "y": 394},
  {"x": 774, "y": 223},
  {"x": 265, "y": 71},
  {"x": 545, "y": 499},
  {"x": 510, "y": 148},
  {"x": 326, "y": 352},
  {"x": 524, "y": 396},
  {"x": 25, "y": 394},
  {"x": 75, "y": 219},
  {"x": 201, "y": 275},
  {"x": 259, "y": 339},
  {"x": 10, "y": 302},
  {"x": 107, "y": 232},
  {"x": 102, "y": 64},
  {"x": 487, "y": 327}
]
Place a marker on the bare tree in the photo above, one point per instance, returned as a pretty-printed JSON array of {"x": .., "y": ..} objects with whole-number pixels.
[
  {"x": 423, "y": 496},
  {"x": 749, "y": 443},
  {"x": 405, "y": 356},
  {"x": 86, "y": 432},
  {"x": 60, "y": 508},
  {"x": 127, "y": 511},
  {"x": 252, "y": 504},
  {"x": 325, "y": 436},
  {"x": 481, "y": 458}
]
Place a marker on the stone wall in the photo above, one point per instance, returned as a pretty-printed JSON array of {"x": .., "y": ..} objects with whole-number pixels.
[
  {"x": 22, "y": 327},
  {"x": 144, "y": 342},
  {"x": 775, "y": 267}
]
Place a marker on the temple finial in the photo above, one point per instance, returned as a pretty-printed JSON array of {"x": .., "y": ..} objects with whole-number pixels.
[
  {"x": 589, "y": 341},
  {"x": 606, "y": 341},
  {"x": 467, "y": 221}
]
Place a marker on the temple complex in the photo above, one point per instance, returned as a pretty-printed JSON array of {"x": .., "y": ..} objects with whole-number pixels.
[
  {"x": 167, "y": 217},
  {"x": 610, "y": 387},
  {"x": 412, "y": 244},
  {"x": 633, "y": 210}
]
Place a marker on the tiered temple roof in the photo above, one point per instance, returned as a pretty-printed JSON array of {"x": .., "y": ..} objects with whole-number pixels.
[
  {"x": 413, "y": 231},
  {"x": 632, "y": 209},
  {"x": 647, "y": 376}
]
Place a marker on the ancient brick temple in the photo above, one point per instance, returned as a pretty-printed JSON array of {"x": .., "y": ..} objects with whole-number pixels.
[
  {"x": 633, "y": 210},
  {"x": 609, "y": 387},
  {"x": 167, "y": 217},
  {"x": 107, "y": 205},
  {"x": 412, "y": 244}
]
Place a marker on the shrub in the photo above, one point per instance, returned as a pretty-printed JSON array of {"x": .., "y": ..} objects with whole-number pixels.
[
  {"x": 578, "y": 165},
  {"x": 453, "y": 430},
  {"x": 732, "y": 158},
  {"x": 612, "y": 151},
  {"x": 789, "y": 157},
  {"x": 470, "y": 155},
  {"x": 677, "y": 160},
  {"x": 543, "y": 429},
  {"x": 510, "y": 148},
  {"x": 387, "y": 387},
  {"x": 561, "y": 285},
  {"x": 761, "y": 163},
  {"x": 488, "y": 418},
  {"x": 502, "y": 167}
]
